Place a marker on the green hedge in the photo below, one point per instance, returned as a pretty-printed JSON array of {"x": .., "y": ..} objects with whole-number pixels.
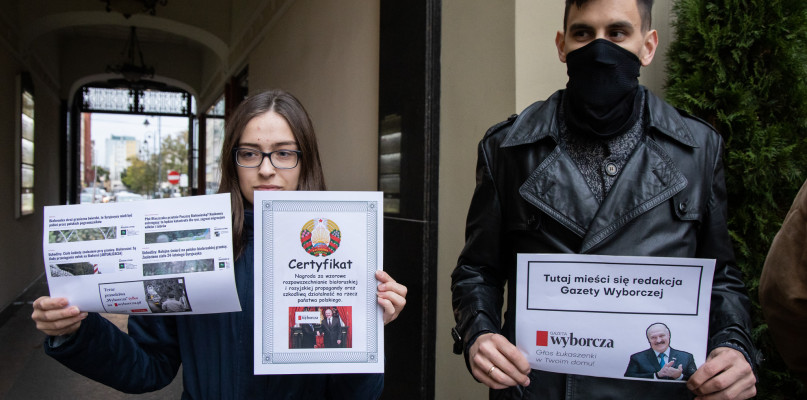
[{"x": 741, "y": 66}]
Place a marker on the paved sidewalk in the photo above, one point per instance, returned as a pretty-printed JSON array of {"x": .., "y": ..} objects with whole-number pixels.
[{"x": 27, "y": 373}]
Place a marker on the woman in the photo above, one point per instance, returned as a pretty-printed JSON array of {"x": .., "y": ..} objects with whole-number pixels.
[{"x": 269, "y": 145}]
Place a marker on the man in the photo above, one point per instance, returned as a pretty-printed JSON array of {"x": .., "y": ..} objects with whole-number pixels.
[
  {"x": 603, "y": 167},
  {"x": 309, "y": 339},
  {"x": 332, "y": 330},
  {"x": 172, "y": 304},
  {"x": 660, "y": 361},
  {"x": 783, "y": 287}
]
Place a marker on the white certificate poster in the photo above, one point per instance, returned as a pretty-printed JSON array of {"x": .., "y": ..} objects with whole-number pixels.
[
  {"x": 151, "y": 257},
  {"x": 316, "y": 254},
  {"x": 611, "y": 316}
]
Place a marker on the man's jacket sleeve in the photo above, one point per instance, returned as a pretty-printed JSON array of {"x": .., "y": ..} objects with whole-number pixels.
[
  {"x": 477, "y": 283},
  {"x": 729, "y": 319}
]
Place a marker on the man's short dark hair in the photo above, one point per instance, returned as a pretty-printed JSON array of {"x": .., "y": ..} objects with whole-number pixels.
[
  {"x": 645, "y": 9},
  {"x": 647, "y": 331}
]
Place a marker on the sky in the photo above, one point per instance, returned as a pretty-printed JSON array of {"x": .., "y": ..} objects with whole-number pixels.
[{"x": 104, "y": 125}]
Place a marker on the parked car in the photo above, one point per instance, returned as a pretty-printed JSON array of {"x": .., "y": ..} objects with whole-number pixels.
[
  {"x": 95, "y": 195},
  {"x": 127, "y": 196},
  {"x": 86, "y": 198}
]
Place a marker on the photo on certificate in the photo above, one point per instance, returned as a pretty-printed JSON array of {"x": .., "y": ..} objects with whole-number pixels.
[
  {"x": 320, "y": 327},
  {"x": 316, "y": 254}
]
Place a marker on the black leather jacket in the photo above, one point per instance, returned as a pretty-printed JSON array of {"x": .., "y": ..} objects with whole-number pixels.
[{"x": 669, "y": 201}]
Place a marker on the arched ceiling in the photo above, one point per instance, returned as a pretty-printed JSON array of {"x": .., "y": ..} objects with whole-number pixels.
[
  {"x": 101, "y": 24},
  {"x": 74, "y": 41}
]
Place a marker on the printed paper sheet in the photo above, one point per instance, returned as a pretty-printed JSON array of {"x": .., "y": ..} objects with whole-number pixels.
[
  {"x": 590, "y": 315},
  {"x": 316, "y": 254},
  {"x": 152, "y": 257}
]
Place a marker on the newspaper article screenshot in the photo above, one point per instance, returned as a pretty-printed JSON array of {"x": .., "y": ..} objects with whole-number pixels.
[{"x": 152, "y": 257}]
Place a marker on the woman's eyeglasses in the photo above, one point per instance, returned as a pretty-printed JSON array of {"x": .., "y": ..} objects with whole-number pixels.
[{"x": 280, "y": 159}]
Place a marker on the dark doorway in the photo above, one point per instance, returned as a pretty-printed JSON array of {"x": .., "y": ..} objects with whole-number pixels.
[{"x": 409, "y": 93}]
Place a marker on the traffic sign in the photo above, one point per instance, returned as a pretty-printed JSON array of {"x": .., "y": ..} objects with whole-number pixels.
[{"x": 173, "y": 177}]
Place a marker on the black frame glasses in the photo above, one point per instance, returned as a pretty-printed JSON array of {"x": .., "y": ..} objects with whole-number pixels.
[{"x": 271, "y": 155}]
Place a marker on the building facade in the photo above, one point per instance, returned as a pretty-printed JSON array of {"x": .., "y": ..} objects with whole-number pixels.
[{"x": 422, "y": 80}]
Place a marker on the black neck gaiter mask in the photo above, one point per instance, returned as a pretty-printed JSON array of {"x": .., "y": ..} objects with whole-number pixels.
[{"x": 601, "y": 96}]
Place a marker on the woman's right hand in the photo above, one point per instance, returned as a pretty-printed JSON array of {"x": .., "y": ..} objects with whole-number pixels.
[{"x": 54, "y": 317}]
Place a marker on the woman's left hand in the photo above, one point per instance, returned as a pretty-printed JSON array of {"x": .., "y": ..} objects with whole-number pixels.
[{"x": 391, "y": 296}]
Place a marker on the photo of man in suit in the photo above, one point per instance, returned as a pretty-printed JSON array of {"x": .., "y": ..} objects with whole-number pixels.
[
  {"x": 331, "y": 329},
  {"x": 660, "y": 361},
  {"x": 309, "y": 340}
]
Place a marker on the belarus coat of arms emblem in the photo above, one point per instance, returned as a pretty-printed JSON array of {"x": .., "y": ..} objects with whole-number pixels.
[{"x": 320, "y": 237}]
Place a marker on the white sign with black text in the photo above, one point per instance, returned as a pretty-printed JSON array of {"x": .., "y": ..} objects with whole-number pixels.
[
  {"x": 152, "y": 257},
  {"x": 316, "y": 254},
  {"x": 614, "y": 317}
]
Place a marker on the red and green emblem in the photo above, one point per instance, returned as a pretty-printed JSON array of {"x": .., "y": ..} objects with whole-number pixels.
[{"x": 320, "y": 237}]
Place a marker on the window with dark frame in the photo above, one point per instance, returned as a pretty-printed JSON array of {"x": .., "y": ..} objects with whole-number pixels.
[
  {"x": 25, "y": 153},
  {"x": 214, "y": 140}
]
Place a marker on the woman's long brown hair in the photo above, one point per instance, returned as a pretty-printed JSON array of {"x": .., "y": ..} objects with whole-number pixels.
[{"x": 287, "y": 106}]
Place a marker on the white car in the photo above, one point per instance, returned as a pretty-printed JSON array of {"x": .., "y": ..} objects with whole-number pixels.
[
  {"x": 127, "y": 196},
  {"x": 86, "y": 198},
  {"x": 100, "y": 194}
]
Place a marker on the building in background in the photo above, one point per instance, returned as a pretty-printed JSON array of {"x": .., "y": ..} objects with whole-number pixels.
[{"x": 119, "y": 149}]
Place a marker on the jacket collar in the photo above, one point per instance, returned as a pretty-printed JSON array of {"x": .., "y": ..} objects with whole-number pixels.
[{"x": 539, "y": 121}]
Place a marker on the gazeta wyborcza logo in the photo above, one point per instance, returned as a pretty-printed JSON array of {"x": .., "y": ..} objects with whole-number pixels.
[
  {"x": 320, "y": 237},
  {"x": 563, "y": 339}
]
